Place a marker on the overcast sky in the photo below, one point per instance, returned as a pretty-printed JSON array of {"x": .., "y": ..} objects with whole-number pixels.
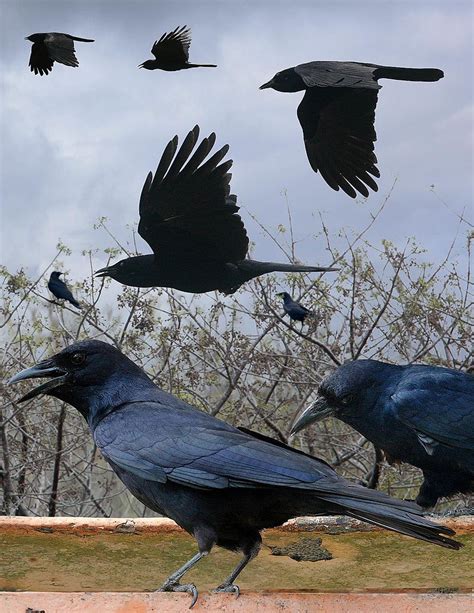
[{"x": 77, "y": 144}]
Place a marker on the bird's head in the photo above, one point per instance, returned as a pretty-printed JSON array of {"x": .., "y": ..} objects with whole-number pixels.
[
  {"x": 79, "y": 375},
  {"x": 284, "y": 295},
  {"x": 130, "y": 271},
  {"x": 350, "y": 391},
  {"x": 55, "y": 274},
  {"x": 285, "y": 81},
  {"x": 35, "y": 38},
  {"x": 148, "y": 65}
]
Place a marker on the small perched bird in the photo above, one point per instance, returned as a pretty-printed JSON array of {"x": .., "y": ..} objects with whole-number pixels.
[
  {"x": 189, "y": 219},
  {"x": 295, "y": 310},
  {"x": 422, "y": 415},
  {"x": 172, "y": 52},
  {"x": 337, "y": 115},
  {"x": 60, "y": 290},
  {"x": 50, "y": 47},
  {"x": 221, "y": 484}
]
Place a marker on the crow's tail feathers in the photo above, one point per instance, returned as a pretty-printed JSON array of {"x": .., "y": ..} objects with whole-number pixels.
[
  {"x": 265, "y": 267},
  {"x": 83, "y": 40},
  {"x": 396, "y": 515},
  {"x": 202, "y": 65},
  {"x": 408, "y": 74},
  {"x": 75, "y": 303}
]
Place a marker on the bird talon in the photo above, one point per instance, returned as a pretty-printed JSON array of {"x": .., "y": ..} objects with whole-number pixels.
[
  {"x": 175, "y": 586},
  {"x": 228, "y": 588}
]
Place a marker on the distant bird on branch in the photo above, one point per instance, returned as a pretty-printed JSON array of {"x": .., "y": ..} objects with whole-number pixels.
[
  {"x": 60, "y": 290},
  {"x": 295, "y": 310}
]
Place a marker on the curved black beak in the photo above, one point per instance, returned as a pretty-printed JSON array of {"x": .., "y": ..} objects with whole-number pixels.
[
  {"x": 316, "y": 411},
  {"x": 267, "y": 85},
  {"x": 141, "y": 65},
  {"x": 47, "y": 368},
  {"x": 103, "y": 272}
]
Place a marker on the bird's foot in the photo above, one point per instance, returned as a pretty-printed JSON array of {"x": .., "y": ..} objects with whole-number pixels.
[
  {"x": 228, "y": 588},
  {"x": 175, "y": 586}
]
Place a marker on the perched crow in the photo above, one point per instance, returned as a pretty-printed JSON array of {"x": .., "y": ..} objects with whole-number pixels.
[
  {"x": 221, "y": 484},
  {"x": 60, "y": 290},
  {"x": 50, "y": 47},
  {"x": 423, "y": 415},
  {"x": 295, "y": 310},
  {"x": 172, "y": 52},
  {"x": 337, "y": 115},
  {"x": 189, "y": 219}
]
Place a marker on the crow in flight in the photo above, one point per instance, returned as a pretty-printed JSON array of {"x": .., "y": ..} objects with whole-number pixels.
[
  {"x": 50, "y": 47},
  {"x": 295, "y": 310},
  {"x": 221, "y": 484},
  {"x": 337, "y": 115},
  {"x": 419, "y": 414},
  {"x": 60, "y": 290},
  {"x": 172, "y": 52},
  {"x": 189, "y": 219}
]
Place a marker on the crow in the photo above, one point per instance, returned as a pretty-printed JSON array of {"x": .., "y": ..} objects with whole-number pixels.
[
  {"x": 50, "y": 47},
  {"x": 419, "y": 414},
  {"x": 221, "y": 484},
  {"x": 295, "y": 310},
  {"x": 172, "y": 52},
  {"x": 189, "y": 219},
  {"x": 337, "y": 115},
  {"x": 60, "y": 290}
]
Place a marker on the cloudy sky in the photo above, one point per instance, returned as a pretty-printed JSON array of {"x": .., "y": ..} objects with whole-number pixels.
[{"x": 77, "y": 144}]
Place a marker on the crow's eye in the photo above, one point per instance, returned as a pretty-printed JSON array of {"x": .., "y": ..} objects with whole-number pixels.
[
  {"x": 347, "y": 399},
  {"x": 77, "y": 358}
]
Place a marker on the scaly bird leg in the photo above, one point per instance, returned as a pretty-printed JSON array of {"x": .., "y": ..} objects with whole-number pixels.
[
  {"x": 228, "y": 585},
  {"x": 172, "y": 584}
]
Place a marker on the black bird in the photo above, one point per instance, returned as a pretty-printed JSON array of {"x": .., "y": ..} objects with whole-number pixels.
[
  {"x": 295, "y": 310},
  {"x": 221, "y": 484},
  {"x": 60, "y": 290},
  {"x": 172, "y": 52},
  {"x": 419, "y": 414},
  {"x": 189, "y": 219},
  {"x": 50, "y": 47},
  {"x": 337, "y": 115}
]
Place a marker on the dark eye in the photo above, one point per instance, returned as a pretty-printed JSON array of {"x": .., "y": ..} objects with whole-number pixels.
[
  {"x": 347, "y": 399},
  {"x": 77, "y": 358}
]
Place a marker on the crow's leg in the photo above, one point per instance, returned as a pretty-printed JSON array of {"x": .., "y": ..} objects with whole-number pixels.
[
  {"x": 228, "y": 585},
  {"x": 172, "y": 584}
]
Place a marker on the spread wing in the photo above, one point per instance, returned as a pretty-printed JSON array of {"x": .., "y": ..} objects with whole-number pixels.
[
  {"x": 61, "y": 49},
  {"x": 189, "y": 447},
  {"x": 186, "y": 209},
  {"x": 173, "y": 46},
  {"x": 40, "y": 62},
  {"x": 339, "y": 136},
  {"x": 439, "y": 406}
]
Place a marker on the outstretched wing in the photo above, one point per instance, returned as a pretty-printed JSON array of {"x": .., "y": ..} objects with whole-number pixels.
[
  {"x": 186, "y": 209},
  {"x": 339, "y": 136},
  {"x": 61, "y": 49},
  {"x": 439, "y": 406},
  {"x": 173, "y": 46},
  {"x": 40, "y": 62}
]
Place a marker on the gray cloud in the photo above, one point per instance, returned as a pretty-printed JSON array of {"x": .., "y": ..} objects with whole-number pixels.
[{"x": 78, "y": 144}]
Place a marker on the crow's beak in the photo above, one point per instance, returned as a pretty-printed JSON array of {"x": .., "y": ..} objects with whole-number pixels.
[
  {"x": 316, "y": 411},
  {"x": 43, "y": 369},
  {"x": 103, "y": 272},
  {"x": 141, "y": 65},
  {"x": 267, "y": 85}
]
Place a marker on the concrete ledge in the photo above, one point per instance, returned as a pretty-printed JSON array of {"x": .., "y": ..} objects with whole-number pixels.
[{"x": 123, "y": 602}]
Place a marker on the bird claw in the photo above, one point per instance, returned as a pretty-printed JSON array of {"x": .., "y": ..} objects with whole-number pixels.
[
  {"x": 190, "y": 588},
  {"x": 228, "y": 588}
]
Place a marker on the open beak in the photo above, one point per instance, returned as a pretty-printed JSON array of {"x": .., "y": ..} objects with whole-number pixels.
[
  {"x": 267, "y": 85},
  {"x": 316, "y": 411},
  {"x": 47, "y": 368},
  {"x": 141, "y": 65},
  {"x": 103, "y": 272}
]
